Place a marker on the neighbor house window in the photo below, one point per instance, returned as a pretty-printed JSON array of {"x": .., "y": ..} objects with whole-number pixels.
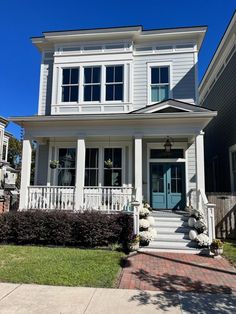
[
  {"x": 113, "y": 172},
  {"x": 114, "y": 82},
  {"x": 233, "y": 161},
  {"x": 4, "y": 152},
  {"x": 92, "y": 83},
  {"x": 91, "y": 167},
  {"x": 70, "y": 85},
  {"x": 66, "y": 169},
  {"x": 160, "y": 83}
]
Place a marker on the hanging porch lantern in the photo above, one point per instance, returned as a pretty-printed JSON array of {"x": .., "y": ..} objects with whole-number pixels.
[{"x": 168, "y": 145}]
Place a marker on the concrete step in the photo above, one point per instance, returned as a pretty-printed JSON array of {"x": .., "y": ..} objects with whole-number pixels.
[
  {"x": 170, "y": 219},
  {"x": 170, "y": 223},
  {"x": 172, "y": 236},
  {"x": 184, "y": 251},
  {"x": 169, "y": 214},
  {"x": 173, "y": 245},
  {"x": 172, "y": 230}
]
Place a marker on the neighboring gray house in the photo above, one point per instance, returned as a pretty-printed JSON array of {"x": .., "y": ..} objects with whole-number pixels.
[{"x": 218, "y": 92}]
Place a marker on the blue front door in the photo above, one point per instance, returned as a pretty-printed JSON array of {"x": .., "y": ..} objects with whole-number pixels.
[{"x": 167, "y": 185}]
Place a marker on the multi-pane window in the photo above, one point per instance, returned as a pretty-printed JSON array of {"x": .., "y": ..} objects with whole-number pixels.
[
  {"x": 92, "y": 83},
  {"x": 91, "y": 167},
  {"x": 113, "y": 171},
  {"x": 70, "y": 85},
  {"x": 160, "y": 83},
  {"x": 114, "y": 82},
  {"x": 66, "y": 169}
]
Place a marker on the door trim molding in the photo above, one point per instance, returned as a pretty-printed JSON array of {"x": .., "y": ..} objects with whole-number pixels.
[{"x": 150, "y": 146}]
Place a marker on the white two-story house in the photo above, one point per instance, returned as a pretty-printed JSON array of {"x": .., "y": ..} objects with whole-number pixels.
[{"x": 118, "y": 115}]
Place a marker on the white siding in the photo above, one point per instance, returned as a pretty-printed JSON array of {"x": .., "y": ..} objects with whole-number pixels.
[
  {"x": 191, "y": 173},
  {"x": 42, "y": 165},
  {"x": 45, "y": 91},
  {"x": 182, "y": 76}
]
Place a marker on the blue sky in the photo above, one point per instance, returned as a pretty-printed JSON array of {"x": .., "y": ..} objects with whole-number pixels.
[{"x": 19, "y": 20}]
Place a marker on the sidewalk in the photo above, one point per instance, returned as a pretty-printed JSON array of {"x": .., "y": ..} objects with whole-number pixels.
[{"x": 31, "y": 299}]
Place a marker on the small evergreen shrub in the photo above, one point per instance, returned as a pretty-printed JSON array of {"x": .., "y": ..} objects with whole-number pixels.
[{"x": 84, "y": 229}]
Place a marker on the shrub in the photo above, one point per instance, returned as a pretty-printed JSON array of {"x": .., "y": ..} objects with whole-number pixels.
[{"x": 87, "y": 229}]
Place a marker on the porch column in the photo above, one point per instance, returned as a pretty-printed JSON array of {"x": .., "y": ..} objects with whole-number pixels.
[
  {"x": 138, "y": 181},
  {"x": 80, "y": 169},
  {"x": 25, "y": 174},
  {"x": 200, "y": 167}
]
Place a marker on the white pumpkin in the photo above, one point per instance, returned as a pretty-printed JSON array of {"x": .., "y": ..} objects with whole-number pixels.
[
  {"x": 193, "y": 234},
  {"x": 191, "y": 221}
]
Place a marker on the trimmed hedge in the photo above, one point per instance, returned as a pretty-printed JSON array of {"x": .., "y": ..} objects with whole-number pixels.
[{"x": 87, "y": 229}]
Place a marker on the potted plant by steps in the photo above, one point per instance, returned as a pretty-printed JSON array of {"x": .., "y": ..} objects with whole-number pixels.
[
  {"x": 53, "y": 164},
  {"x": 144, "y": 224},
  {"x": 147, "y": 236},
  {"x": 134, "y": 245},
  {"x": 216, "y": 247}
]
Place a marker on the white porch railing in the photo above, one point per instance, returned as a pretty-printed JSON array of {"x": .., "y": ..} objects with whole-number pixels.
[
  {"x": 108, "y": 198},
  {"x": 51, "y": 197},
  {"x": 207, "y": 210}
]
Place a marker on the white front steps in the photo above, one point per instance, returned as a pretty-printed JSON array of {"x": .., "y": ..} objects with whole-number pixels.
[{"x": 172, "y": 233}]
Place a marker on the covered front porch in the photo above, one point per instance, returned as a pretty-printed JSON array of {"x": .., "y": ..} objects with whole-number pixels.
[{"x": 104, "y": 162}]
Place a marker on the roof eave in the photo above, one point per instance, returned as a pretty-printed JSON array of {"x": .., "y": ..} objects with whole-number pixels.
[{"x": 186, "y": 115}]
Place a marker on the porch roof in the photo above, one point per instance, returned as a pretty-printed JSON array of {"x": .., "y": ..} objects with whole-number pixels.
[{"x": 115, "y": 116}]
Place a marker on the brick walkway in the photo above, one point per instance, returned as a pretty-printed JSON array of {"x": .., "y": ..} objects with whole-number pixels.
[{"x": 178, "y": 272}]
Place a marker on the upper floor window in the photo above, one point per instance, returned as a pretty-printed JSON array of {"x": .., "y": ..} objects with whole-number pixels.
[
  {"x": 92, "y": 83},
  {"x": 98, "y": 83},
  {"x": 114, "y": 82},
  {"x": 160, "y": 83},
  {"x": 70, "y": 85}
]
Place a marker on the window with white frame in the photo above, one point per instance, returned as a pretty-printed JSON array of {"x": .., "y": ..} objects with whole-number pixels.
[
  {"x": 112, "y": 166},
  {"x": 66, "y": 169},
  {"x": 159, "y": 83},
  {"x": 99, "y": 83},
  {"x": 70, "y": 85},
  {"x": 92, "y": 83},
  {"x": 114, "y": 82},
  {"x": 91, "y": 166}
]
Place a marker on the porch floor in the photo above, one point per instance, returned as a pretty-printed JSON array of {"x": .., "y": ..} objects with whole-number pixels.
[{"x": 173, "y": 272}]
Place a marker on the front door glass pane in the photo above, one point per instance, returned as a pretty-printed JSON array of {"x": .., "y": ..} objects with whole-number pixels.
[
  {"x": 176, "y": 179},
  {"x": 158, "y": 179}
]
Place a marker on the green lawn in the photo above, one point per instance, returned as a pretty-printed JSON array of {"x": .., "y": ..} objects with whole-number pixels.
[
  {"x": 230, "y": 250},
  {"x": 59, "y": 266}
]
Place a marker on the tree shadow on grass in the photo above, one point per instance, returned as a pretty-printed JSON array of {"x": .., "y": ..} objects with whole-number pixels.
[{"x": 194, "y": 303}]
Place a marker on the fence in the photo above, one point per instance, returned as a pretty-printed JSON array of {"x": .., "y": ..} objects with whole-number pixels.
[{"x": 225, "y": 214}]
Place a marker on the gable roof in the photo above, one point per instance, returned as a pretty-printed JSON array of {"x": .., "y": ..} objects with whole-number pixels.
[{"x": 171, "y": 106}]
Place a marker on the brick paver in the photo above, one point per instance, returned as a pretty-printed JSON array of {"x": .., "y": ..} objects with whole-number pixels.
[{"x": 178, "y": 272}]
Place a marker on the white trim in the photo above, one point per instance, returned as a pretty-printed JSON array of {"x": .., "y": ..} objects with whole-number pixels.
[
  {"x": 231, "y": 150},
  {"x": 57, "y": 87},
  {"x": 165, "y": 160},
  {"x": 159, "y": 64},
  {"x": 195, "y": 57}
]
